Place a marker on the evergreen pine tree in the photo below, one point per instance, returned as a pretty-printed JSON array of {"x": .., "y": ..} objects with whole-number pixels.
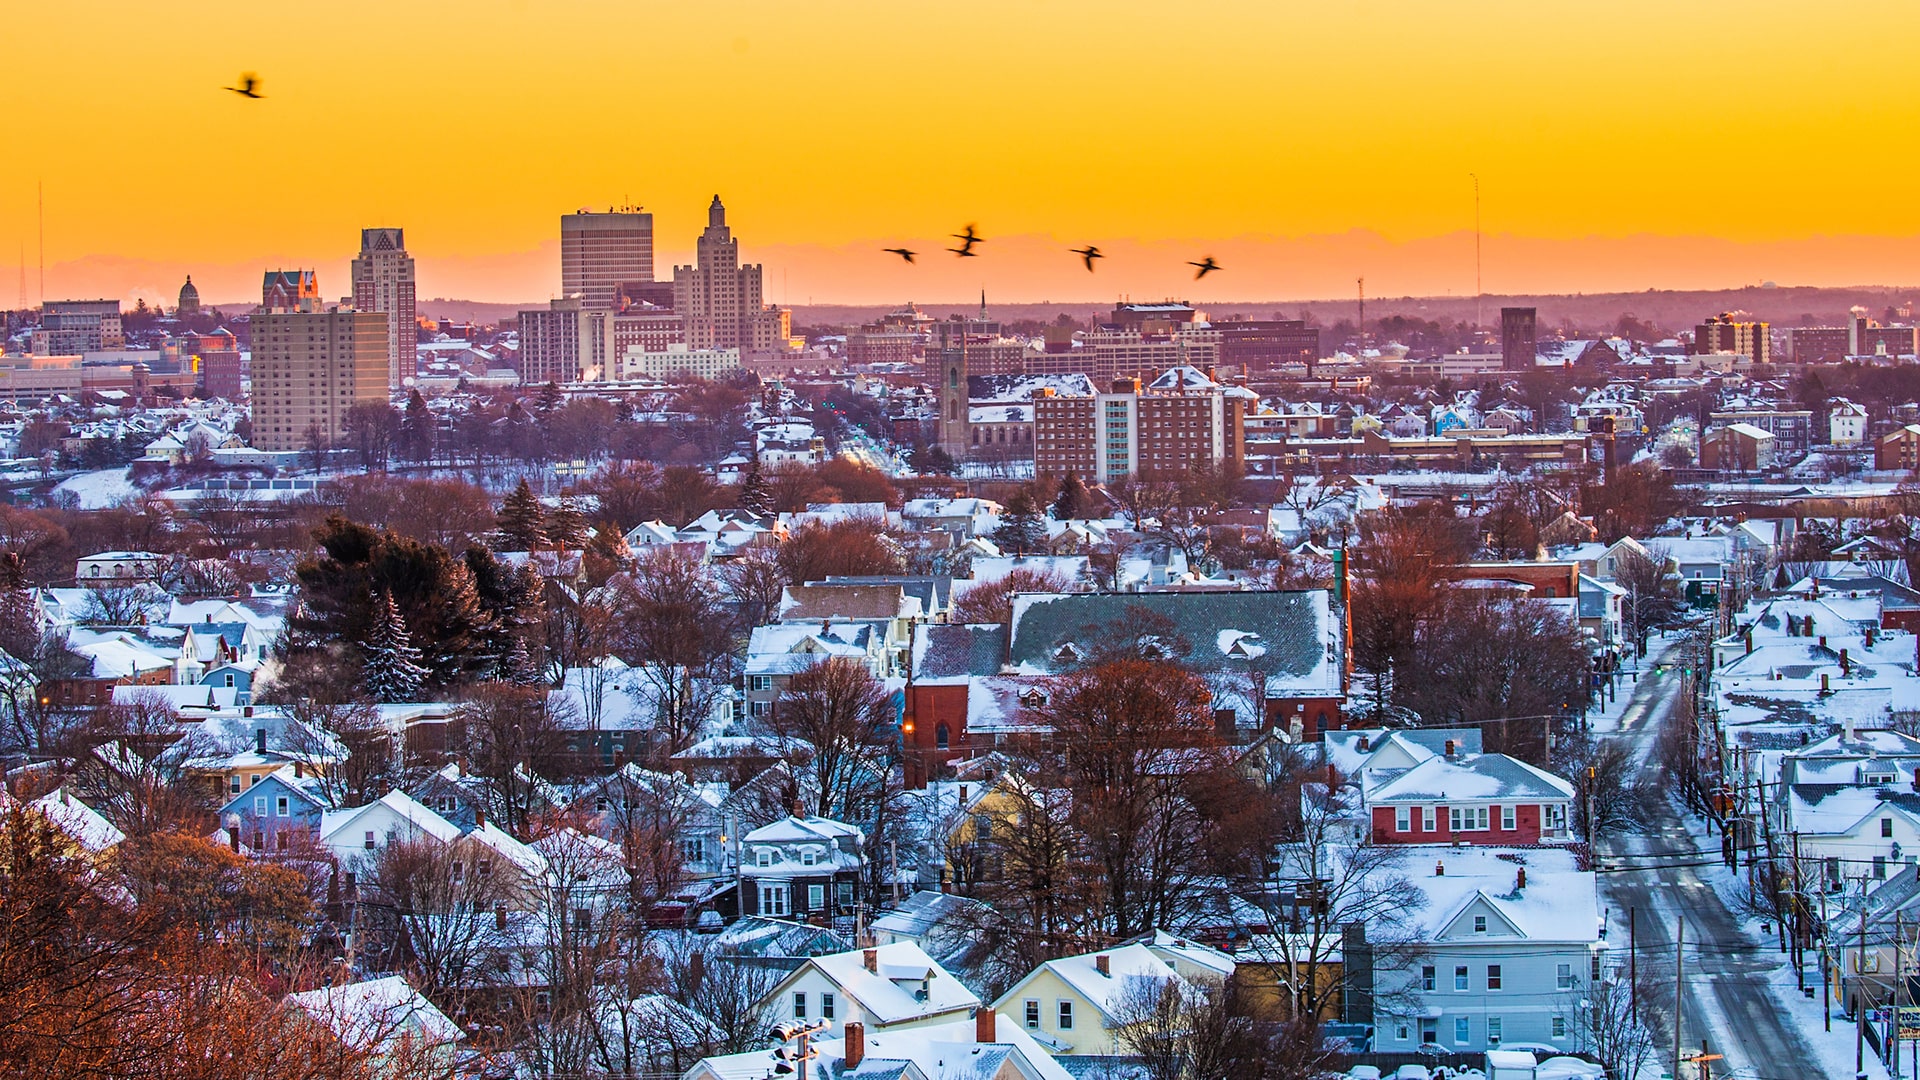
[
  {"x": 754, "y": 495},
  {"x": 567, "y": 526},
  {"x": 1072, "y": 500},
  {"x": 520, "y": 523},
  {"x": 517, "y": 665},
  {"x": 550, "y": 399},
  {"x": 1022, "y": 529},
  {"x": 391, "y": 671},
  {"x": 417, "y": 429}
]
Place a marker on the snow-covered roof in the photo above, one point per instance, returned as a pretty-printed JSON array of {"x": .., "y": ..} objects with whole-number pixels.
[
  {"x": 376, "y": 1014},
  {"x": 79, "y": 822},
  {"x": 905, "y": 982}
]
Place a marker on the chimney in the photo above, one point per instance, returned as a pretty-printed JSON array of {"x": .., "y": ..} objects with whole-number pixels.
[
  {"x": 1520, "y": 879},
  {"x": 1748, "y": 635},
  {"x": 1439, "y": 869},
  {"x": 1846, "y": 668},
  {"x": 1449, "y": 748},
  {"x": 1363, "y": 744},
  {"x": 1333, "y": 777},
  {"x": 246, "y": 711},
  {"x": 984, "y": 1024},
  {"x": 1104, "y": 965},
  {"x": 299, "y": 770},
  {"x": 1823, "y": 683},
  {"x": 260, "y": 740},
  {"x": 233, "y": 838},
  {"x": 479, "y": 817},
  {"x": 1873, "y": 634},
  {"x": 871, "y": 957},
  {"x": 855, "y": 1050},
  {"x": 1823, "y": 641}
]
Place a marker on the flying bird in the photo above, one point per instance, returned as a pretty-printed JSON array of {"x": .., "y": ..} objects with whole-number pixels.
[
  {"x": 1087, "y": 255},
  {"x": 902, "y": 252},
  {"x": 965, "y": 251},
  {"x": 249, "y": 86},
  {"x": 967, "y": 240},
  {"x": 1207, "y": 266}
]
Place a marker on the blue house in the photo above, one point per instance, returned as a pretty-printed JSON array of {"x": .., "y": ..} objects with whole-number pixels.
[
  {"x": 237, "y": 677},
  {"x": 270, "y": 813}
]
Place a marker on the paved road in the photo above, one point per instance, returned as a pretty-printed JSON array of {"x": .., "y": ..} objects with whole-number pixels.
[{"x": 1726, "y": 998}]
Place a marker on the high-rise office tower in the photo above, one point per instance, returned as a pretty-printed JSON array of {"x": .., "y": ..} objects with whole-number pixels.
[
  {"x": 600, "y": 252},
  {"x": 312, "y": 365},
  {"x": 721, "y": 300},
  {"x": 383, "y": 282},
  {"x": 1519, "y": 338}
]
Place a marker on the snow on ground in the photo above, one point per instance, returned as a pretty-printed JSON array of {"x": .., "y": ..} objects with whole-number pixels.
[
  {"x": 98, "y": 490},
  {"x": 1606, "y": 719},
  {"x": 1834, "y": 1049}
]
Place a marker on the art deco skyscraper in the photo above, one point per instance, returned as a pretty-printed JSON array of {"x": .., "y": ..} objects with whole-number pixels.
[
  {"x": 600, "y": 252},
  {"x": 720, "y": 300},
  {"x": 383, "y": 282}
]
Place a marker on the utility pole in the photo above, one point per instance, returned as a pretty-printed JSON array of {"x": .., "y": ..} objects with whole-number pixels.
[
  {"x": 1679, "y": 969},
  {"x": 1899, "y": 980},
  {"x": 1860, "y": 991},
  {"x": 1633, "y": 964}
]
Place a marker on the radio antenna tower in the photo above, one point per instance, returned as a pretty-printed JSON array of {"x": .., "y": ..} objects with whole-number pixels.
[
  {"x": 1361, "y": 283},
  {"x": 41, "y": 188},
  {"x": 1478, "y": 293}
]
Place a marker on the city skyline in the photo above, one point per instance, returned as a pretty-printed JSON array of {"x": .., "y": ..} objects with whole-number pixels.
[{"x": 1352, "y": 148}]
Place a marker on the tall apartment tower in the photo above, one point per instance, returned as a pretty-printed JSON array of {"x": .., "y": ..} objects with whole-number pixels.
[
  {"x": 563, "y": 342},
  {"x": 1519, "y": 338},
  {"x": 310, "y": 366},
  {"x": 600, "y": 252},
  {"x": 383, "y": 282},
  {"x": 721, "y": 300}
]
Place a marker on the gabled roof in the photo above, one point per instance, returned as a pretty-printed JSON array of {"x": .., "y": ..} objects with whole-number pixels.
[
  {"x": 1474, "y": 777},
  {"x": 80, "y": 823},
  {"x": 906, "y": 983},
  {"x": 1126, "y": 966},
  {"x": 340, "y": 822},
  {"x": 376, "y": 1014}
]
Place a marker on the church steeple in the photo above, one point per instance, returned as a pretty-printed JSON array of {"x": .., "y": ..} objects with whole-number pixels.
[{"x": 983, "y": 305}]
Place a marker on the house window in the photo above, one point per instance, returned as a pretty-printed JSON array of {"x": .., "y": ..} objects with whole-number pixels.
[
  {"x": 1429, "y": 1031},
  {"x": 1402, "y": 819},
  {"x": 1479, "y": 924},
  {"x": 233, "y": 783},
  {"x": 259, "y": 806},
  {"x": 808, "y": 858},
  {"x": 1460, "y": 977},
  {"x": 1462, "y": 1030},
  {"x": 1066, "y": 1016},
  {"x": 1879, "y": 867},
  {"x": 1563, "y": 977},
  {"x": 1553, "y": 816},
  {"x": 1493, "y": 1031},
  {"x": 370, "y": 844},
  {"x": 253, "y": 779},
  {"x": 1493, "y": 976},
  {"x": 800, "y": 1005},
  {"x": 761, "y": 683},
  {"x": 758, "y": 708},
  {"x": 481, "y": 867},
  {"x": 1559, "y": 1027},
  {"x": 280, "y": 808},
  {"x": 1886, "y": 826},
  {"x": 1593, "y": 965},
  {"x": 1468, "y": 818},
  {"x": 826, "y": 1006},
  {"x": 1507, "y": 817},
  {"x": 1401, "y": 1031},
  {"x": 762, "y": 857},
  {"x": 1426, "y": 977},
  {"x": 1429, "y": 826},
  {"x": 773, "y": 900},
  {"x": 1033, "y": 1014},
  {"x": 693, "y": 849},
  {"x": 582, "y": 918},
  {"x": 229, "y": 678},
  {"x": 816, "y": 897}
]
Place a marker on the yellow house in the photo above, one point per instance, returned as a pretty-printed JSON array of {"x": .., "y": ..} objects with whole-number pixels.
[{"x": 1078, "y": 1004}]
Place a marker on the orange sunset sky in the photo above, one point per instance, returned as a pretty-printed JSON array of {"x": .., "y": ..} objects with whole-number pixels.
[{"x": 1625, "y": 145}]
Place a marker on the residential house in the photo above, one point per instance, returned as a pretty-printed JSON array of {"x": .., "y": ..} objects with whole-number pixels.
[
  {"x": 116, "y": 569},
  {"x": 1409, "y": 794},
  {"x": 977, "y": 1047},
  {"x": 272, "y": 814},
  {"x": 886, "y": 987},
  {"x": 401, "y": 1031},
  {"x": 1077, "y": 1004},
  {"x": 801, "y": 867},
  {"x": 1510, "y": 941},
  {"x": 775, "y": 654},
  {"x": 1737, "y": 448}
]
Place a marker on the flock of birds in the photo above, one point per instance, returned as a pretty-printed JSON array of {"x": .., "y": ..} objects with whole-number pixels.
[{"x": 969, "y": 239}]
